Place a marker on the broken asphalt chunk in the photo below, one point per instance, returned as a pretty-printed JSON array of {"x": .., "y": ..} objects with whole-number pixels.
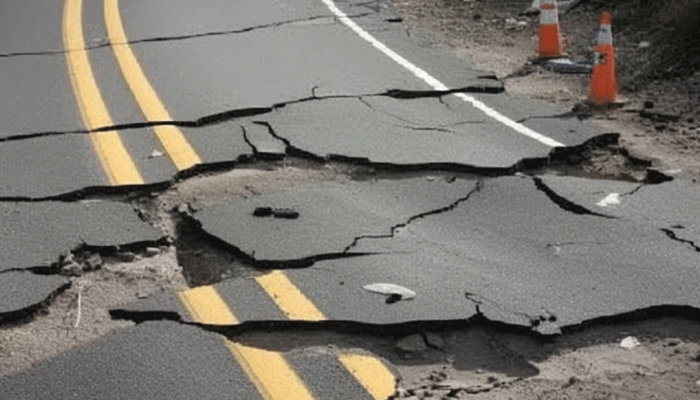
[
  {"x": 409, "y": 133},
  {"x": 23, "y": 293},
  {"x": 336, "y": 215},
  {"x": 36, "y": 234}
]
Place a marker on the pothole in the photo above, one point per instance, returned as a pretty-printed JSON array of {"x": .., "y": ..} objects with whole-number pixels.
[
  {"x": 202, "y": 262},
  {"x": 203, "y": 259}
]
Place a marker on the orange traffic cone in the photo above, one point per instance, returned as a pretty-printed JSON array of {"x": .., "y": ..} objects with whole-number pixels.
[
  {"x": 603, "y": 84},
  {"x": 549, "y": 36}
]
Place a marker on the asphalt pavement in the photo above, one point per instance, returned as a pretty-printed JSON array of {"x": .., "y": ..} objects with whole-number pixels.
[{"x": 114, "y": 98}]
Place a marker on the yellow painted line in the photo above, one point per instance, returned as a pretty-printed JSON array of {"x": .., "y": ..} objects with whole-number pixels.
[
  {"x": 116, "y": 161},
  {"x": 270, "y": 373},
  {"x": 293, "y": 303},
  {"x": 206, "y": 306},
  {"x": 173, "y": 140},
  {"x": 268, "y": 370},
  {"x": 369, "y": 371},
  {"x": 372, "y": 374}
]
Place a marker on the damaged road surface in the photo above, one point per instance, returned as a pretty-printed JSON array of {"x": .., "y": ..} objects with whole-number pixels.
[
  {"x": 499, "y": 248},
  {"x": 326, "y": 182}
]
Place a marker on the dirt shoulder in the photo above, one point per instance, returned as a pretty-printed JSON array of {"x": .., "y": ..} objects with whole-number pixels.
[
  {"x": 659, "y": 83},
  {"x": 658, "y": 65}
]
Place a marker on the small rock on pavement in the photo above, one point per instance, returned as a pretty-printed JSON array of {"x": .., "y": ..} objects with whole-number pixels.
[
  {"x": 423, "y": 393},
  {"x": 72, "y": 269},
  {"x": 184, "y": 209},
  {"x": 152, "y": 251},
  {"x": 411, "y": 344},
  {"x": 629, "y": 342},
  {"x": 434, "y": 340},
  {"x": 93, "y": 262},
  {"x": 126, "y": 256}
]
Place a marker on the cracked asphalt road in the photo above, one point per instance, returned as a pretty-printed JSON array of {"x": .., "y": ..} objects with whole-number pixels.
[{"x": 449, "y": 187}]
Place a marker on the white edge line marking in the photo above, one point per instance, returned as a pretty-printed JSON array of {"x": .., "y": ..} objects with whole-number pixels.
[{"x": 436, "y": 84}]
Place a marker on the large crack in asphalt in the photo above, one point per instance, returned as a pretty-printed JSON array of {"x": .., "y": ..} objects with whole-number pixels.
[
  {"x": 228, "y": 115},
  {"x": 106, "y": 43},
  {"x": 393, "y": 229},
  {"x": 674, "y": 236},
  {"x": 559, "y": 159},
  {"x": 425, "y": 325}
]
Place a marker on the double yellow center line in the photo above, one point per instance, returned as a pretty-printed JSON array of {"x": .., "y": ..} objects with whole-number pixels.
[
  {"x": 269, "y": 371},
  {"x": 115, "y": 159}
]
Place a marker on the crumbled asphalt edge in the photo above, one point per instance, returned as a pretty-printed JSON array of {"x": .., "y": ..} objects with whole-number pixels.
[
  {"x": 55, "y": 268},
  {"x": 27, "y": 314},
  {"x": 542, "y": 324}
]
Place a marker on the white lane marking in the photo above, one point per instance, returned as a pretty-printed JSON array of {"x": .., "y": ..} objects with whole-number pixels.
[
  {"x": 436, "y": 84},
  {"x": 610, "y": 200}
]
